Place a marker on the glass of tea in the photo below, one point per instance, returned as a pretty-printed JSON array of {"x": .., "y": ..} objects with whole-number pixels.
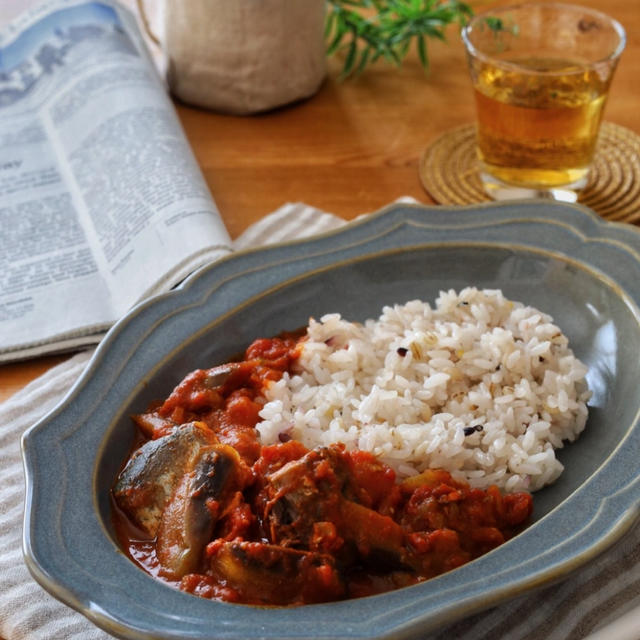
[{"x": 541, "y": 74}]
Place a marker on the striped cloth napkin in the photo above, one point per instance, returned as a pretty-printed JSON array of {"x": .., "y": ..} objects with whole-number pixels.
[{"x": 602, "y": 593}]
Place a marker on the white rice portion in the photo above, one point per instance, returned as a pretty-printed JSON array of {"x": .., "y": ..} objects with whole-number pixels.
[{"x": 405, "y": 387}]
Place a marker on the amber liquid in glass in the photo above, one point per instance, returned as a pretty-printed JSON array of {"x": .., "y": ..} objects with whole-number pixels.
[{"x": 538, "y": 131}]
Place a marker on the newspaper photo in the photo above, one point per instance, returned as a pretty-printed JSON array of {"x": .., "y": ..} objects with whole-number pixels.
[{"x": 102, "y": 202}]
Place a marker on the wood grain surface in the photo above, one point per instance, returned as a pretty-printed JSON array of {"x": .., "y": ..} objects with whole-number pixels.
[{"x": 354, "y": 146}]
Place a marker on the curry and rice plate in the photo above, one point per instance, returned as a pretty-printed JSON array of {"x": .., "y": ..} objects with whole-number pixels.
[
  {"x": 350, "y": 459},
  {"x": 481, "y": 386}
]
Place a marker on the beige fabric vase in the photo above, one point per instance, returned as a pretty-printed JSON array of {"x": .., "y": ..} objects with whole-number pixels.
[{"x": 244, "y": 56}]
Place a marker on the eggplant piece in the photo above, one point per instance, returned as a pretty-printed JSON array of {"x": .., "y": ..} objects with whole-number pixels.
[
  {"x": 378, "y": 539},
  {"x": 269, "y": 574},
  {"x": 146, "y": 483},
  {"x": 218, "y": 376},
  {"x": 200, "y": 499}
]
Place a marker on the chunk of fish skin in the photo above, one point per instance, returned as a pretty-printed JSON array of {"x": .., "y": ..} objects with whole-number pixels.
[
  {"x": 190, "y": 516},
  {"x": 146, "y": 483}
]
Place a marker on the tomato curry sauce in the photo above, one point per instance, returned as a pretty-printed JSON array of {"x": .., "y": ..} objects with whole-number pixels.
[{"x": 202, "y": 505}]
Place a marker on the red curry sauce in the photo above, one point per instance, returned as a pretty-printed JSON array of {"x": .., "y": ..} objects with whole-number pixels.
[{"x": 204, "y": 506}]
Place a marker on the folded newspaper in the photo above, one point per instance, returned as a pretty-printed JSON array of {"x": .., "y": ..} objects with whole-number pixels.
[{"x": 102, "y": 202}]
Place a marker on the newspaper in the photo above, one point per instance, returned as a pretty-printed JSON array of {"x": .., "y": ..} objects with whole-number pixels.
[{"x": 102, "y": 202}]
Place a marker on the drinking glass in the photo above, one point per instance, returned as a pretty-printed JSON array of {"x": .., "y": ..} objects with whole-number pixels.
[{"x": 541, "y": 74}]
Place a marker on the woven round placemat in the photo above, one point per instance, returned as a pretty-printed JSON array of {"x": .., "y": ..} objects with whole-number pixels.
[{"x": 449, "y": 171}]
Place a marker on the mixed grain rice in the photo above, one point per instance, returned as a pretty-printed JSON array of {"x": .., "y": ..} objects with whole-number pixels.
[{"x": 481, "y": 386}]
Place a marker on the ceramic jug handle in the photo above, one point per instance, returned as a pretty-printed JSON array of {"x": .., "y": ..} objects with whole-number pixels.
[{"x": 146, "y": 24}]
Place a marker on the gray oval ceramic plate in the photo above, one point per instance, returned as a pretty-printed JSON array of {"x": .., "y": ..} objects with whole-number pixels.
[{"x": 560, "y": 258}]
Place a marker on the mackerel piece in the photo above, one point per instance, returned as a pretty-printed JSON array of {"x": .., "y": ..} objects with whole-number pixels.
[{"x": 153, "y": 472}]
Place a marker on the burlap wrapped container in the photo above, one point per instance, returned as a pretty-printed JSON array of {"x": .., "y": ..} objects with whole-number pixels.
[{"x": 244, "y": 56}]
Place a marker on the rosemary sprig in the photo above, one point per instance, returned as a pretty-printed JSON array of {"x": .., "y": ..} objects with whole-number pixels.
[{"x": 367, "y": 30}]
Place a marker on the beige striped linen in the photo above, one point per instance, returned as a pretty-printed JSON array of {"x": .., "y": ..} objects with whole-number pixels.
[{"x": 604, "y": 592}]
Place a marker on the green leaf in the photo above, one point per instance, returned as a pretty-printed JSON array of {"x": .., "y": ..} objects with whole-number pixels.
[
  {"x": 341, "y": 30},
  {"x": 495, "y": 24},
  {"x": 351, "y": 58},
  {"x": 364, "y": 59},
  {"x": 422, "y": 52},
  {"x": 329, "y": 24},
  {"x": 387, "y": 29}
]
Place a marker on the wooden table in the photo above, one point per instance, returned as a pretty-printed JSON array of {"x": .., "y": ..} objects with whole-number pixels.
[{"x": 353, "y": 147}]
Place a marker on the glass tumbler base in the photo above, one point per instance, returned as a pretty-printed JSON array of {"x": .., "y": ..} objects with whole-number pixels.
[{"x": 498, "y": 190}]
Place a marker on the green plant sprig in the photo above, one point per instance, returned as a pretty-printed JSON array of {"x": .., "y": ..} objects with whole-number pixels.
[{"x": 367, "y": 30}]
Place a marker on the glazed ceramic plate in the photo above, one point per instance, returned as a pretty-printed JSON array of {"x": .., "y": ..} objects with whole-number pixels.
[{"x": 562, "y": 259}]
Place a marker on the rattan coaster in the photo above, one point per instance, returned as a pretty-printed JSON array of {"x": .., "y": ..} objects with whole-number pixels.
[{"x": 449, "y": 171}]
